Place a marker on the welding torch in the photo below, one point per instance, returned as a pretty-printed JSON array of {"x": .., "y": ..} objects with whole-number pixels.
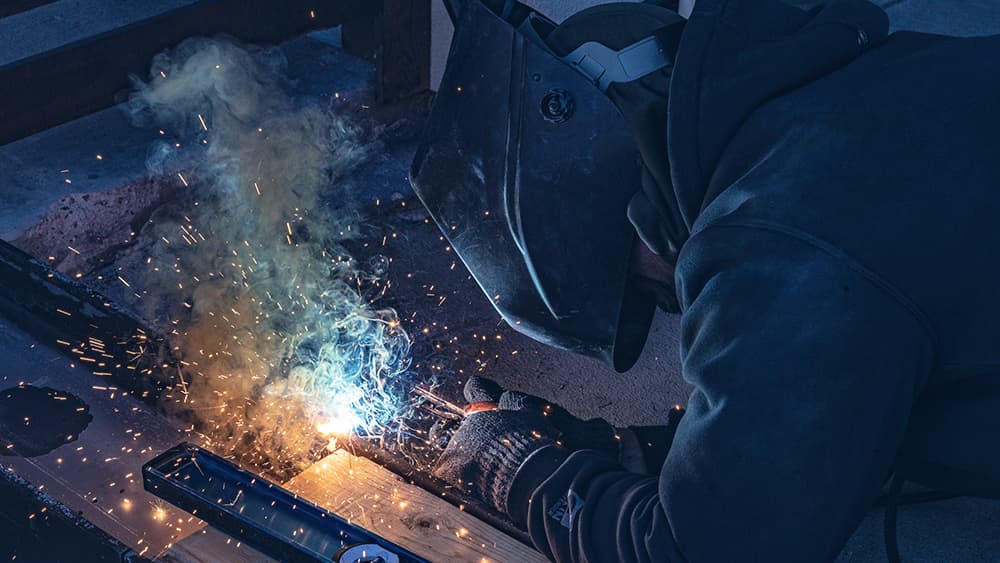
[{"x": 453, "y": 409}]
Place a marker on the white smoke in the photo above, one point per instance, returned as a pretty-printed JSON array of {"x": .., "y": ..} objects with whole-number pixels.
[{"x": 275, "y": 322}]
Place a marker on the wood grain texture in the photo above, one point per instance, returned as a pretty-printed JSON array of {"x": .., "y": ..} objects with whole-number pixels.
[
  {"x": 380, "y": 501},
  {"x": 212, "y": 546}
]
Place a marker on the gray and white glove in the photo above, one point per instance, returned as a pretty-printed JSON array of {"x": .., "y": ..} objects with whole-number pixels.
[
  {"x": 510, "y": 442},
  {"x": 500, "y": 432}
]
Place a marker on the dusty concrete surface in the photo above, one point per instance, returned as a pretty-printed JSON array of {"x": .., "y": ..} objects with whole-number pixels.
[
  {"x": 957, "y": 531},
  {"x": 94, "y": 154},
  {"x": 79, "y": 231}
]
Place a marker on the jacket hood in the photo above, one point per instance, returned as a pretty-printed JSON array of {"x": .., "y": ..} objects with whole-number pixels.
[{"x": 735, "y": 56}]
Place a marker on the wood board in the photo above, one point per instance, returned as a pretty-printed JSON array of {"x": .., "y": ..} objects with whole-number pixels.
[
  {"x": 209, "y": 545},
  {"x": 380, "y": 501}
]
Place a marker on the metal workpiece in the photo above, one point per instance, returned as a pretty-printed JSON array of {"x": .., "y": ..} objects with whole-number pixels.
[{"x": 262, "y": 514}]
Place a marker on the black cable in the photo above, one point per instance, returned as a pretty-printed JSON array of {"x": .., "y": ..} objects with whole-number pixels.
[{"x": 889, "y": 526}]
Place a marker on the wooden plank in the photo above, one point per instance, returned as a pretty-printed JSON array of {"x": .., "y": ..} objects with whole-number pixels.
[
  {"x": 212, "y": 546},
  {"x": 11, "y": 7},
  {"x": 396, "y": 36},
  {"x": 82, "y": 77},
  {"x": 362, "y": 33},
  {"x": 378, "y": 500}
]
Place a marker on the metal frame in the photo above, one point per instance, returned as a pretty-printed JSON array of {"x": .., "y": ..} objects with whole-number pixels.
[
  {"x": 36, "y": 527},
  {"x": 83, "y": 324}
]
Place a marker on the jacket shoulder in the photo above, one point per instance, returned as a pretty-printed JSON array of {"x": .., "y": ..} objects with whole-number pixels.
[
  {"x": 758, "y": 50},
  {"x": 782, "y": 251}
]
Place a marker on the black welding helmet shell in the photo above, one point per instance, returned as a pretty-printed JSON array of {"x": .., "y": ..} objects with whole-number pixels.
[{"x": 528, "y": 167}]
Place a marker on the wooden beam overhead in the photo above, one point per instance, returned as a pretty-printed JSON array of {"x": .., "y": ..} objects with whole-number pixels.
[
  {"x": 80, "y": 78},
  {"x": 396, "y": 36}
]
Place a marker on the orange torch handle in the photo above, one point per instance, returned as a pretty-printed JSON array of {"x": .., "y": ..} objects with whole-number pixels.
[{"x": 480, "y": 406}]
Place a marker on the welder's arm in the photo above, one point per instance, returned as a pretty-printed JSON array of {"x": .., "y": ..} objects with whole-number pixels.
[{"x": 805, "y": 365}]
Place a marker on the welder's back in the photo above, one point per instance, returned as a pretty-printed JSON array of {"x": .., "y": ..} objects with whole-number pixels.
[{"x": 893, "y": 164}]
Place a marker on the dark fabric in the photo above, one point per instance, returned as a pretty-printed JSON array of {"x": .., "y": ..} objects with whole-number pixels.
[
  {"x": 838, "y": 289},
  {"x": 533, "y": 472}
]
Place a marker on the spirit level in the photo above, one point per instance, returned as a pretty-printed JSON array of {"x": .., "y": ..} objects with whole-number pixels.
[{"x": 260, "y": 513}]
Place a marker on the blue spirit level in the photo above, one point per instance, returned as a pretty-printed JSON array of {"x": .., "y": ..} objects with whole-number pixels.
[{"x": 261, "y": 513}]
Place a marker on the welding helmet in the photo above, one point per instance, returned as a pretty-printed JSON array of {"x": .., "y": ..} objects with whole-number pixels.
[{"x": 528, "y": 167}]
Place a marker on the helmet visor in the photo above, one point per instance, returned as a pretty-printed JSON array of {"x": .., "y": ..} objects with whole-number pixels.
[{"x": 528, "y": 169}]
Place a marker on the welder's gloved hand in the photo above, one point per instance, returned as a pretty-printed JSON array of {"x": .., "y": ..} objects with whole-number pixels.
[{"x": 487, "y": 452}]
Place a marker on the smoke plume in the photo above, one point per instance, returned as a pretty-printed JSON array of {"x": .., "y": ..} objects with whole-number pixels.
[{"x": 277, "y": 326}]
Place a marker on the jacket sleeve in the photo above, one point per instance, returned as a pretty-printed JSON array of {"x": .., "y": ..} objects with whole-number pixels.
[{"x": 805, "y": 365}]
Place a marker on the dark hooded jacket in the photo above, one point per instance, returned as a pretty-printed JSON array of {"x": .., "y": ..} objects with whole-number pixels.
[{"x": 841, "y": 188}]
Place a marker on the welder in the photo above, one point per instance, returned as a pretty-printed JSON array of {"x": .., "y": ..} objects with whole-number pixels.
[{"x": 818, "y": 200}]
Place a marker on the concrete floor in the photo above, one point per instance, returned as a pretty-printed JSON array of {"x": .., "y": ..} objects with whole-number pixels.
[{"x": 962, "y": 530}]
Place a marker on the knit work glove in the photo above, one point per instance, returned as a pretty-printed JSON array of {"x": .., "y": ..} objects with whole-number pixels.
[{"x": 501, "y": 430}]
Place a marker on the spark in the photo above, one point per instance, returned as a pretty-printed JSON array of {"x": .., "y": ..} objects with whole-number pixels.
[
  {"x": 278, "y": 344},
  {"x": 159, "y": 514}
]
